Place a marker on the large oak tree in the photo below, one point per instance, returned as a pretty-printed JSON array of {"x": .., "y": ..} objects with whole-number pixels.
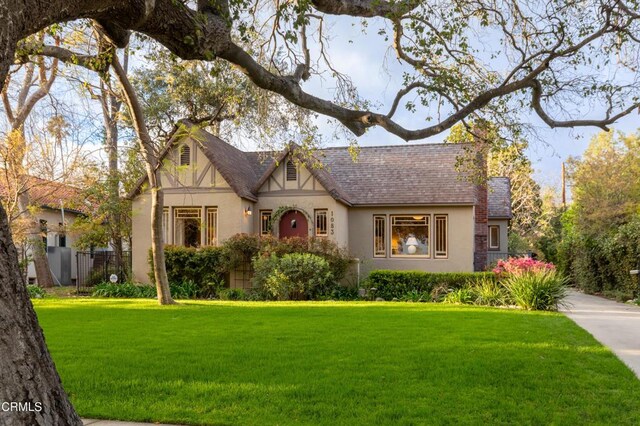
[{"x": 462, "y": 59}]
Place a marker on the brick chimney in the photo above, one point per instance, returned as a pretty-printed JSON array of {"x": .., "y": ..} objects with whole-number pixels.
[
  {"x": 481, "y": 227},
  {"x": 481, "y": 208}
]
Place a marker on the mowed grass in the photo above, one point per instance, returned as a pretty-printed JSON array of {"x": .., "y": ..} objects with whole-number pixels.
[{"x": 333, "y": 363}]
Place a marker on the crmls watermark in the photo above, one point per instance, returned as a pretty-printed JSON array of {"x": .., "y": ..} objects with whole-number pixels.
[{"x": 34, "y": 407}]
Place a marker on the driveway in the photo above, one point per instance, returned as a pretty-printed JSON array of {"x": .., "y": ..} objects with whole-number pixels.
[{"x": 615, "y": 325}]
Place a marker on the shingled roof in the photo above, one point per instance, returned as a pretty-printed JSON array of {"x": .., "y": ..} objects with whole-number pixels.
[
  {"x": 51, "y": 195},
  {"x": 416, "y": 174},
  {"x": 499, "y": 198},
  {"x": 400, "y": 174}
]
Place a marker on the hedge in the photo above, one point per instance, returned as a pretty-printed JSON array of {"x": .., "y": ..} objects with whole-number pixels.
[
  {"x": 396, "y": 284},
  {"x": 202, "y": 266}
]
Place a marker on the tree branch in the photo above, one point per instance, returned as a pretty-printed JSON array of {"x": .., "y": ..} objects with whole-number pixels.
[{"x": 536, "y": 96}]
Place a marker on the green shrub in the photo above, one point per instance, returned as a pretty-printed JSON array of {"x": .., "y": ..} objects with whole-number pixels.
[
  {"x": 337, "y": 258},
  {"x": 233, "y": 294},
  {"x": 541, "y": 291},
  {"x": 464, "y": 295},
  {"x": 490, "y": 293},
  {"x": 341, "y": 292},
  {"x": 395, "y": 284},
  {"x": 124, "y": 290},
  {"x": 294, "y": 276},
  {"x": 185, "y": 289},
  {"x": 417, "y": 296},
  {"x": 242, "y": 248},
  {"x": 35, "y": 291},
  {"x": 204, "y": 268}
]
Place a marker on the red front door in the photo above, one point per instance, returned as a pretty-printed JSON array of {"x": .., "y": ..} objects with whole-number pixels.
[{"x": 293, "y": 224}]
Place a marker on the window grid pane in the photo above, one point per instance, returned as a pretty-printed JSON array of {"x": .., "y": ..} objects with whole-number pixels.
[
  {"x": 441, "y": 236},
  {"x": 321, "y": 223},
  {"x": 187, "y": 213},
  {"x": 265, "y": 222},
  {"x": 165, "y": 226},
  {"x": 410, "y": 236},
  {"x": 212, "y": 226},
  {"x": 187, "y": 226},
  {"x": 379, "y": 241},
  {"x": 494, "y": 237}
]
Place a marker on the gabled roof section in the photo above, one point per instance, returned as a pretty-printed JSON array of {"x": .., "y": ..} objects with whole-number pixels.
[
  {"x": 420, "y": 174},
  {"x": 313, "y": 165},
  {"x": 499, "y": 198},
  {"x": 233, "y": 164}
]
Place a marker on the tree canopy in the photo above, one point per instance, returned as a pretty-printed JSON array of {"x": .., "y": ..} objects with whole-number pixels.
[{"x": 461, "y": 59}]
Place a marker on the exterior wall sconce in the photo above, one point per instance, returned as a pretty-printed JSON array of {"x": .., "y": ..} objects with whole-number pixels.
[{"x": 247, "y": 211}]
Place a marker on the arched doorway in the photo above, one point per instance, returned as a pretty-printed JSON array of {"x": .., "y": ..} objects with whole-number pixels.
[{"x": 293, "y": 224}]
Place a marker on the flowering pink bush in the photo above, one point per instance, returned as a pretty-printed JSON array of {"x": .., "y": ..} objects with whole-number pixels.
[{"x": 521, "y": 265}]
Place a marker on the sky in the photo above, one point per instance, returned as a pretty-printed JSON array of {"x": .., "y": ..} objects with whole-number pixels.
[{"x": 375, "y": 72}]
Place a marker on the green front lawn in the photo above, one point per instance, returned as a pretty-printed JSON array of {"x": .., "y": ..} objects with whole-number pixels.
[{"x": 332, "y": 363}]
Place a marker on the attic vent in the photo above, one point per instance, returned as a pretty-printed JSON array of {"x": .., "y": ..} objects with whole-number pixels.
[
  {"x": 292, "y": 173},
  {"x": 185, "y": 155}
]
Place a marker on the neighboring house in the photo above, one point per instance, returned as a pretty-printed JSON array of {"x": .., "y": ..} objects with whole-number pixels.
[
  {"x": 56, "y": 207},
  {"x": 396, "y": 207}
]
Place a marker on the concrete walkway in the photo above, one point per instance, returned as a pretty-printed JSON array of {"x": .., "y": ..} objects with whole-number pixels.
[
  {"x": 94, "y": 422},
  {"x": 615, "y": 325}
]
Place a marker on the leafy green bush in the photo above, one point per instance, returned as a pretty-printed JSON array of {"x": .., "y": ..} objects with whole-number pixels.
[
  {"x": 541, "y": 291},
  {"x": 204, "y": 268},
  {"x": 233, "y": 294},
  {"x": 417, "y": 296},
  {"x": 465, "y": 295},
  {"x": 294, "y": 276},
  {"x": 35, "y": 291},
  {"x": 337, "y": 258},
  {"x": 396, "y": 284},
  {"x": 490, "y": 293},
  {"x": 185, "y": 289},
  {"x": 124, "y": 290}
]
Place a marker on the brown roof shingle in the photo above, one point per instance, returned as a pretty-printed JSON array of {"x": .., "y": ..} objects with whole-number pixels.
[
  {"x": 51, "y": 194},
  {"x": 500, "y": 198},
  {"x": 417, "y": 174}
]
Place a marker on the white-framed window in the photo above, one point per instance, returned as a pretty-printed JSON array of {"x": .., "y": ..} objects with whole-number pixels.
[
  {"x": 321, "y": 222},
  {"x": 187, "y": 222},
  {"x": 211, "y": 231},
  {"x": 185, "y": 155},
  {"x": 292, "y": 171},
  {"x": 494, "y": 237},
  {"x": 165, "y": 225},
  {"x": 379, "y": 235},
  {"x": 265, "y": 222},
  {"x": 410, "y": 236},
  {"x": 441, "y": 236}
]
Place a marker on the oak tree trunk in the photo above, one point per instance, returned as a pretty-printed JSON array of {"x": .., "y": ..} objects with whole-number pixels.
[
  {"x": 157, "y": 197},
  {"x": 27, "y": 372},
  {"x": 157, "y": 245}
]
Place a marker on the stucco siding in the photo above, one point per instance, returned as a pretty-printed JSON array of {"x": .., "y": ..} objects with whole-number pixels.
[
  {"x": 459, "y": 236},
  {"x": 231, "y": 220},
  {"x": 337, "y": 213}
]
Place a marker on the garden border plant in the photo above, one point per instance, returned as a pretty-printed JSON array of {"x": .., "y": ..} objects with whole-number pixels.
[{"x": 523, "y": 282}]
